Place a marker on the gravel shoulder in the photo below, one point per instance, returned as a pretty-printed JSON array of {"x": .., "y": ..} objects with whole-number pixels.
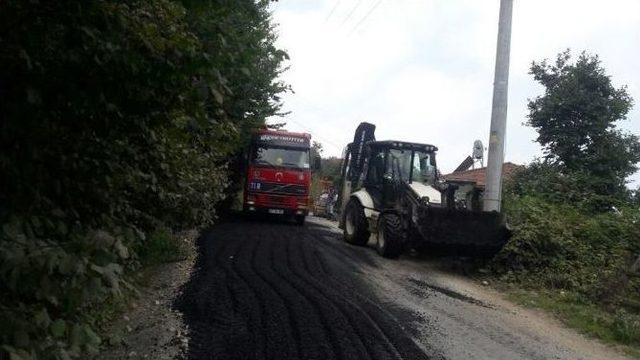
[{"x": 152, "y": 328}]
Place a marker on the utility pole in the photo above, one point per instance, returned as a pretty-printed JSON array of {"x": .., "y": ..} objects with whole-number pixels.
[{"x": 493, "y": 187}]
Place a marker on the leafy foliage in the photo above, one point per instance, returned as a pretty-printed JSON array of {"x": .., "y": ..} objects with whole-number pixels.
[
  {"x": 558, "y": 248},
  {"x": 576, "y": 228},
  {"x": 552, "y": 183},
  {"x": 567, "y": 248},
  {"x": 329, "y": 171},
  {"x": 331, "y": 168},
  {"x": 118, "y": 119},
  {"x": 575, "y": 120}
]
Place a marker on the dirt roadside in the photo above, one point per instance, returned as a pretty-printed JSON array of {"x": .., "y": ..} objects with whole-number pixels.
[
  {"x": 465, "y": 319},
  {"x": 151, "y": 328},
  {"x": 535, "y": 323}
]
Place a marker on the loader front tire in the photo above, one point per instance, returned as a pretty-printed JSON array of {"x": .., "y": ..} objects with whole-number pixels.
[
  {"x": 356, "y": 231},
  {"x": 390, "y": 236}
]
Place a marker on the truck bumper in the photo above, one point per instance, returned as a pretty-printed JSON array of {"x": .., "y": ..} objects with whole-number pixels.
[
  {"x": 253, "y": 209},
  {"x": 263, "y": 203}
]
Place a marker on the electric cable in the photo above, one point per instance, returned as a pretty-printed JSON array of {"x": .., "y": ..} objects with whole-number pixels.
[{"x": 365, "y": 17}]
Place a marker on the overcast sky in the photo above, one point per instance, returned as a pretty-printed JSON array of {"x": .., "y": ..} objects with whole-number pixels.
[{"x": 422, "y": 70}]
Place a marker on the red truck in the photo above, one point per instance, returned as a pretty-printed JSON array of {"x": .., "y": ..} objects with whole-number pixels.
[{"x": 279, "y": 174}]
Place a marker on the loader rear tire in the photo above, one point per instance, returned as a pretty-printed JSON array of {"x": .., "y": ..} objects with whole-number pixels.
[
  {"x": 390, "y": 236},
  {"x": 356, "y": 231}
]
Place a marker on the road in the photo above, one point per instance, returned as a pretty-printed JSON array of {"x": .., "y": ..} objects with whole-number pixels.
[{"x": 264, "y": 290}]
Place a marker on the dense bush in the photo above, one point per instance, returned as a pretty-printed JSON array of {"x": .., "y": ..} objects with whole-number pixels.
[
  {"x": 117, "y": 119},
  {"x": 554, "y": 184},
  {"x": 564, "y": 237},
  {"x": 586, "y": 257},
  {"x": 559, "y": 247}
]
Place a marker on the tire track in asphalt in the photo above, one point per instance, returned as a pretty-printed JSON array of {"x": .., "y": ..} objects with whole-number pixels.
[
  {"x": 246, "y": 297},
  {"x": 199, "y": 301},
  {"x": 266, "y": 291},
  {"x": 345, "y": 252},
  {"x": 217, "y": 331},
  {"x": 336, "y": 326},
  {"x": 310, "y": 340},
  {"x": 325, "y": 318},
  {"x": 366, "y": 327},
  {"x": 383, "y": 319},
  {"x": 281, "y": 341}
]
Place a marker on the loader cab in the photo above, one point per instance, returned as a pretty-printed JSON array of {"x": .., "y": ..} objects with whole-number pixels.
[{"x": 393, "y": 164}]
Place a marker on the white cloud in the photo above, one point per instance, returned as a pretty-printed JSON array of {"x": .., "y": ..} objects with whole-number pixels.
[{"x": 422, "y": 70}]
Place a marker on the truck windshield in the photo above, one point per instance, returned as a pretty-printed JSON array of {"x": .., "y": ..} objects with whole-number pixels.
[
  {"x": 424, "y": 169},
  {"x": 294, "y": 158}
]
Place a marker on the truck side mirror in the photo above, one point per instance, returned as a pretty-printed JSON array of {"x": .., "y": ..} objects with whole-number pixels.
[{"x": 317, "y": 163}]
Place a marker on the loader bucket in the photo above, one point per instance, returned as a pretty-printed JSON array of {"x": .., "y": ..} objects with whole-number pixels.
[{"x": 474, "y": 233}]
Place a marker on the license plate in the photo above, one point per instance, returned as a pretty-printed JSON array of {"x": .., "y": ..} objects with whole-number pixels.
[{"x": 276, "y": 211}]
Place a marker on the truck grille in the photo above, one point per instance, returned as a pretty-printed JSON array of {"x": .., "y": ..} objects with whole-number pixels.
[
  {"x": 277, "y": 199},
  {"x": 277, "y": 188}
]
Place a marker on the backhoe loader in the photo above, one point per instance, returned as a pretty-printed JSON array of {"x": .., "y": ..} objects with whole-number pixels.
[{"x": 392, "y": 189}]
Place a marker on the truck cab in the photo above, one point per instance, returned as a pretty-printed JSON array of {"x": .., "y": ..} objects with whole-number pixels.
[{"x": 278, "y": 174}]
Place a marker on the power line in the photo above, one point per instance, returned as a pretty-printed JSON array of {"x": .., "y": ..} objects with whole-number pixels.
[
  {"x": 315, "y": 133},
  {"x": 332, "y": 10},
  {"x": 366, "y": 16},
  {"x": 305, "y": 102},
  {"x": 351, "y": 12}
]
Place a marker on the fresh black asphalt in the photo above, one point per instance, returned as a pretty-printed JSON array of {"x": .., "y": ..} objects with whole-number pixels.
[{"x": 273, "y": 290}]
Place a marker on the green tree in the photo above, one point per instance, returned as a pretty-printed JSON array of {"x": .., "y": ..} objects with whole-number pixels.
[
  {"x": 331, "y": 168},
  {"x": 576, "y": 122},
  {"x": 117, "y": 119},
  {"x": 316, "y": 150}
]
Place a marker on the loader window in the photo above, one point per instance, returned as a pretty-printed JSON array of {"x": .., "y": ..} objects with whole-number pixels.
[
  {"x": 399, "y": 164},
  {"x": 423, "y": 169},
  {"x": 376, "y": 169}
]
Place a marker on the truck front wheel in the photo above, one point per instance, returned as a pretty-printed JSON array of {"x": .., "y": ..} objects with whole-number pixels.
[
  {"x": 300, "y": 220},
  {"x": 356, "y": 231},
  {"x": 390, "y": 236}
]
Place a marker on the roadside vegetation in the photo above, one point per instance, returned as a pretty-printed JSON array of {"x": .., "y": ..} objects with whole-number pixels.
[
  {"x": 329, "y": 170},
  {"x": 118, "y": 121},
  {"x": 576, "y": 244}
]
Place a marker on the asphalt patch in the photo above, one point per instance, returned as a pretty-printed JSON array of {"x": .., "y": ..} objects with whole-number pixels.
[
  {"x": 279, "y": 291},
  {"x": 447, "y": 292}
]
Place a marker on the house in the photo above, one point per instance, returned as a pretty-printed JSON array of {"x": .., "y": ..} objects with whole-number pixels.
[{"x": 471, "y": 183}]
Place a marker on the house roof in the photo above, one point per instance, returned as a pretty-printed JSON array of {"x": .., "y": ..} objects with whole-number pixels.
[{"x": 478, "y": 176}]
